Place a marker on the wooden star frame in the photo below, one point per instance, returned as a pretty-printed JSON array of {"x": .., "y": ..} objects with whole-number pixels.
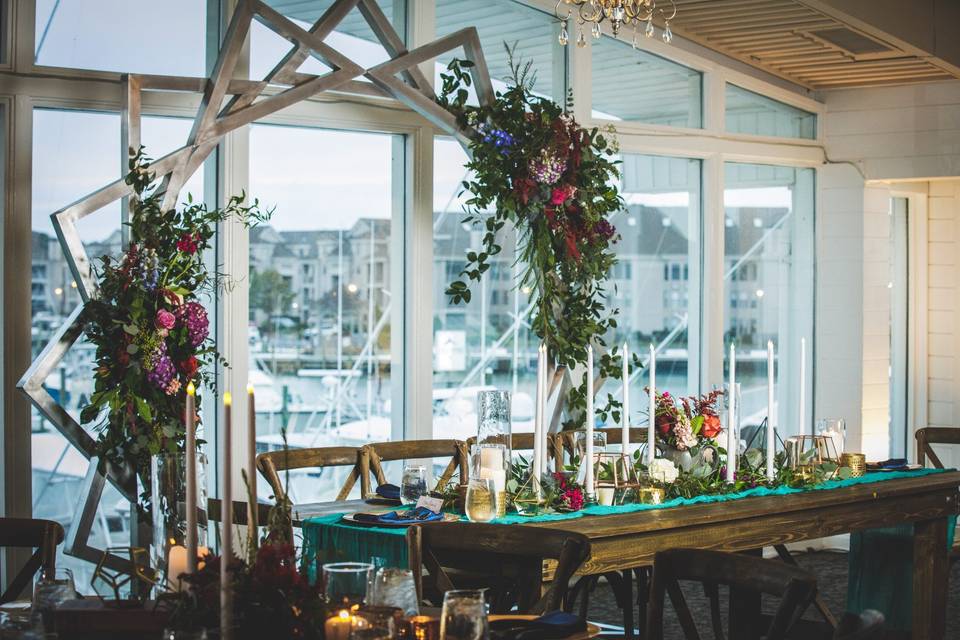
[{"x": 227, "y": 105}]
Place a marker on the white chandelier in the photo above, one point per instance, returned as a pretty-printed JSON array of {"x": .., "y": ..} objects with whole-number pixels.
[{"x": 618, "y": 13}]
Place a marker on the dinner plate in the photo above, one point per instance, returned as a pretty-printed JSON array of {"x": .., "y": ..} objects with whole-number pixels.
[{"x": 349, "y": 517}]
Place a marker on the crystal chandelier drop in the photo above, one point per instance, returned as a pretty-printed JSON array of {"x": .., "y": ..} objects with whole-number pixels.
[{"x": 619, "y": 13}]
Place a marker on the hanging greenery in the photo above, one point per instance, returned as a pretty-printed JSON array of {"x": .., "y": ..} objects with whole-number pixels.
[{"x": 553, "y": 183}]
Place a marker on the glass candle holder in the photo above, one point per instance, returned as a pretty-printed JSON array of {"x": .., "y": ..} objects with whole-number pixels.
[
  {"x": 491, "y": 461},
  {"x": 494, "y": 425},
  {"x": 345, "y": 583},
  {"x": 169, "y": 517},
  {"x": 836, "y": 430}
]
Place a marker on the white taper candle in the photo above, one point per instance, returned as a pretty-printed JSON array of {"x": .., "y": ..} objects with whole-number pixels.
[
  {"x": 803, "y": 387},
  {"x": 651, "y": 426},
  {"x": 190, "y": 452},
  {"x": 226, "y": 516},
  {"x": 625, "y": 416},
  {"x": 771, "y": 413},
  {"x": 732, "y": 445},
  {"x": 591, "y": 420}
]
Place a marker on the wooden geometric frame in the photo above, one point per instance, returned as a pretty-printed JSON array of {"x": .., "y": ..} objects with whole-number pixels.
[{"x": 228, "y": 104}]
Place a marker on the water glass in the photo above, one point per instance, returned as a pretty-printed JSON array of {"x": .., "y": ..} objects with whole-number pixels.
[
  {"x": 345, "y": 583},
  {"x": 836, "y": 430},
  {"x": 414, "y": 484},
  {"x": 464, "y": 615},
  {"x": 394, "y": 588},
  {"x": 481, "y": 501}
]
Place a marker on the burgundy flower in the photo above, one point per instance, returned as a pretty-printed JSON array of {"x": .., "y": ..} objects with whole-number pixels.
[
  {"x": 189, "y": 367},
  {"x": 188, "y": 243}
]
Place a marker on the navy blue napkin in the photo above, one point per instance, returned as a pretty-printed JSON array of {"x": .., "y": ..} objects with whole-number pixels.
[
  {"x": 389, "y": 491},
  {"x": 893, "y": 464},
  {"x": 421, "y": 514},
  {"x": 549, "y": 626}
]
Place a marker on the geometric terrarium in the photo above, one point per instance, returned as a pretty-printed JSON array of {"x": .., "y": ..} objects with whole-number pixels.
[{"x": 123, "y": 589}]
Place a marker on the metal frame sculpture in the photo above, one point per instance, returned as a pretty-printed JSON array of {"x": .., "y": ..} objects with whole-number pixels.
[{"x": 229, "y": 104}]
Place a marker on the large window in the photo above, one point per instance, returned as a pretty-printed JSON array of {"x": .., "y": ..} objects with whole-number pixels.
[
  {"x": 768, "y": 284},
  {"x": 322, "y": 292},
  {"x": 88, "y": 143},
  {"x": 165, "y": 38},
  {"x": 487, "y": 343},
  {"x": 656, "y": 282},
  {"x": 507, "y": 22},
  {"x": 749, "y": 112},
  {"x": 630, "y": 84}
]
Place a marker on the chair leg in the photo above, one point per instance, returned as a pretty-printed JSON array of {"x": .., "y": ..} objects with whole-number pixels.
[
  {"x": 818, "y": 602},
  {"x": 628, "y": 604},
  {"x": 643, "y": 575}
]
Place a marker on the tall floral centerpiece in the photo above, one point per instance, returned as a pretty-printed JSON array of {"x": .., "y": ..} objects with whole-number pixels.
[
  {"x": 536, "y": 172},
  {"x": 152, "y": 337}
]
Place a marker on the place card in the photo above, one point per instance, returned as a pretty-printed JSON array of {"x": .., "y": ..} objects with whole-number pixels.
[{"x": 431, "y": 503}]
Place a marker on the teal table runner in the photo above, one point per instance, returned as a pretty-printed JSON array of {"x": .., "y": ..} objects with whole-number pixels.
[{"x": 329, "y": 539}]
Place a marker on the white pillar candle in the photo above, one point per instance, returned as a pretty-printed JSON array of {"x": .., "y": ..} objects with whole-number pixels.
[
  {"x": 803, "y": 387},
  {"x": 190, "y": 452},
  {"x": 625, "y": 415},
  {"x": 651, "y": 431},
  {"x": 177, "y": 560},
  {"x": 731, "y": 416},
  {"x": 591, "y": 420},
  {"x": 540, "y": 421},
  {"x": 771, "y": 431},
  {"x": 226, "y": 516}
]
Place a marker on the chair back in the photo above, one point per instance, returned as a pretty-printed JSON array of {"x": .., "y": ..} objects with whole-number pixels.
[
  {"x": 41, "y": 535},
  {"x": 614, "y": 435},
  {"x": 272, "y": 463},
  {"x": 794, "y": 586},
  {"x": 372, "y": 455},
  {"x": 934, "y": 435},
  {"x": 509, "y": 561}
]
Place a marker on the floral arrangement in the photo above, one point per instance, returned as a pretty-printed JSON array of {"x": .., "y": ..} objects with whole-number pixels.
[
  {"x": 150, "y": 329},
  {"x": 688, "y": 423},
  {"x": 560, "y": 491},
  {"x": 552, "y": 182}
]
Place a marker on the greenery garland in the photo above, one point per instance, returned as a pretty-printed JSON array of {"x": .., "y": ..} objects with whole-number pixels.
[{"x": 554, "y": 183}]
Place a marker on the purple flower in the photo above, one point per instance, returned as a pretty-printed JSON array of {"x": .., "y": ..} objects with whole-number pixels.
[
  {"x": 605, "y": 229},
  {"x": 547, "y": 169},
  {"x": 497, "y": 137},
  {"x": 161, "y": 371},
  {"x": 194, "y": 317}
]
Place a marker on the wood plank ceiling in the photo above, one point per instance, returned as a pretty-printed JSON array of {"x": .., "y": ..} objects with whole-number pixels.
[{"x": 798, "y": 43}]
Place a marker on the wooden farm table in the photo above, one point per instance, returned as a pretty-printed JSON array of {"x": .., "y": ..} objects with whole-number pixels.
[{"x": 628, "y": 540}]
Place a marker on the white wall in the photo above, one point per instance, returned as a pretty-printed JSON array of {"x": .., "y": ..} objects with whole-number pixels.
[{"x": 880, "y": 137}]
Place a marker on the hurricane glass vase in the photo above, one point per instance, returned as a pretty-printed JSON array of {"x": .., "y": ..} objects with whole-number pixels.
[{"x": 168, "y": 510}]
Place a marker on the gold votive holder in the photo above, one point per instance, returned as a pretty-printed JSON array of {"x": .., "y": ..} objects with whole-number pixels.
[
  {"x": 857, "y": 463},
  {"x": 424, "y": 628},
  {"x": 650, "y": 495}
]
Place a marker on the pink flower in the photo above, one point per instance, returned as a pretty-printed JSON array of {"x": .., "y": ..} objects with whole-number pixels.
[{"x": 165, "y": 320}]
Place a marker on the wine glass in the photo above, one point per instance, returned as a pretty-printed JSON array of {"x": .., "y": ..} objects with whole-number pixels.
[
  {"x": 414, "y": 483},
  {"x": 394, "y": 588},
  {"x": 481, "y": 501},
  {"x": 464, "y": 615}
]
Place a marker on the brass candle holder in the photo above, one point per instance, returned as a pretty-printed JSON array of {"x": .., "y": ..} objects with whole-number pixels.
[
  {"x": 614, "y": 477},
  {"x": 806, "y": 454},
  {"x": 856, "y": 462}
]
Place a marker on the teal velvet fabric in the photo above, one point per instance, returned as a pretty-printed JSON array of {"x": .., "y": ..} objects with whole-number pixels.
[
  {"x": 881, "y": 572},
  {"x": 328, "y": 539}
]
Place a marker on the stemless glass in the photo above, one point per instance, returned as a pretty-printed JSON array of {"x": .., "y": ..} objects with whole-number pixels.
[
  {"x": 49, "y": 591},
  {"x": 464, "y": 615},
  {"x": 414, "y": 483},
  {"x": 345, "y": 583},
  {"x": 480, "y": 504},
  {"x": 394, "y": 588}
]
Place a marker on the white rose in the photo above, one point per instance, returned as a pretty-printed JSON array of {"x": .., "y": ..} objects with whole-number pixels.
[{"x": 664, "y": 470}]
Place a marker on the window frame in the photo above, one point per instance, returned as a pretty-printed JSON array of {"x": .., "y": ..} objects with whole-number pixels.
[{"x": 27, "y": 85}]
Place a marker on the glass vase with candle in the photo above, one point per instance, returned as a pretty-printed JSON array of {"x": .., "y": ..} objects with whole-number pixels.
[
  {"x": 169, "y": 517},
  {"x": 493, "y": 419},
  {"x": 491, "y": 461},
  {"x": 345, "y": 583}
]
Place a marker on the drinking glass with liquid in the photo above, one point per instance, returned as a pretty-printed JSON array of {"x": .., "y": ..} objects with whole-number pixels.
[
  {"x": 414, "y": 484},
  {"x": 481, "y": 501}
]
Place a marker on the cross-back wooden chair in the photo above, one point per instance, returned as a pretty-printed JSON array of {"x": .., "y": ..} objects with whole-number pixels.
[
  {"x": 938, "y": 435},
  {"x": 272, "y": 463},
  {"x": 524, "y": 442},
  {"x": 794, "y": 586},
  {"x": 373, "y": 455},
  {"x": 41, "y": 535},
  {"x": 509, "y": 561}
]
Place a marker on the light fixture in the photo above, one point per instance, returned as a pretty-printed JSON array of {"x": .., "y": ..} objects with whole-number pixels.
[{"x": 618, "y": 13}]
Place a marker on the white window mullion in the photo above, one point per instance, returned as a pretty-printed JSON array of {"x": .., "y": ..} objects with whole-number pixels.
[{"x": 711, "y": 332}]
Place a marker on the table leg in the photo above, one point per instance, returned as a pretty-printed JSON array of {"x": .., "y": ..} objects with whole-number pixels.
[
  {"x": 930, "y": 567},
  {"x": 745, "y": 609},
  {"x": 628, "y": 604}
]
